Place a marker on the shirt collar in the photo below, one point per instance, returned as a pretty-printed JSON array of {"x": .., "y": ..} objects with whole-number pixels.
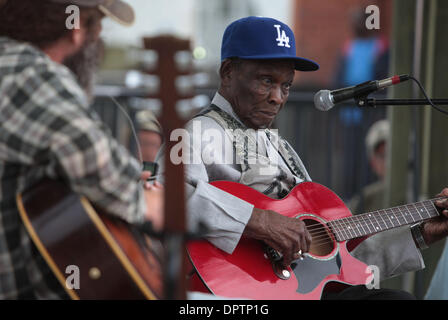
[{"x": 224, "y": 105}]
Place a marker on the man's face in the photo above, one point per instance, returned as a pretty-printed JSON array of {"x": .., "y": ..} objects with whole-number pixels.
[
  {"x": 85, "y": 61},
  {"x": 258, "y": 89},
  {"x": 378, "y": 160},
  {"x": 150, "y": 143}
]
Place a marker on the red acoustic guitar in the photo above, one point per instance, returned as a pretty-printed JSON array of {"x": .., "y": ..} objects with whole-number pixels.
[{"x": 251, "y": 271}]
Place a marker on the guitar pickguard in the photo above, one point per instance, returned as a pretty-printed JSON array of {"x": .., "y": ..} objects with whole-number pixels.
[{"x": 310, "y": 271}]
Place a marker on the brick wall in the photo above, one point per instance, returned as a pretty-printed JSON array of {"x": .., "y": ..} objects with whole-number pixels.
[{"x": 322, "y": 27}]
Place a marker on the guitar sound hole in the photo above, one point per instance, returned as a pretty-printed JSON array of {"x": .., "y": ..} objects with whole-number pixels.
[{"x": 322, "y": 244}]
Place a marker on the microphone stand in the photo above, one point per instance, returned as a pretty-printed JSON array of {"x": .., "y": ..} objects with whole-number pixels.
[{"x": 372, "y": 102}]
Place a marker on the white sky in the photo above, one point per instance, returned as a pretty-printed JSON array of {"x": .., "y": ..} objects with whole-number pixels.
[{"x": 177, "y": 16}]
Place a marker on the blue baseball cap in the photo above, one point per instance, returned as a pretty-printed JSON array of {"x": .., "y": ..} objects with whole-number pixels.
[{"x": 262, "y": 38}]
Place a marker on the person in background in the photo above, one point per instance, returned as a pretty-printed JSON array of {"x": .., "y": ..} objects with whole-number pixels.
[
  {"x": 364, "y": 57},
  {"x": 372, "y": 195},
  {"x": 150, "y": 134}
]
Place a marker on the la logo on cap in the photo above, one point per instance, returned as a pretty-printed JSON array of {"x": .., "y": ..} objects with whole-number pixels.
[{"x": 282, "y": 39}]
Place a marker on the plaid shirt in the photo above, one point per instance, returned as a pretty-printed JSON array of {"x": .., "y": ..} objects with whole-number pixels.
[{"x": 47, "y": 130}]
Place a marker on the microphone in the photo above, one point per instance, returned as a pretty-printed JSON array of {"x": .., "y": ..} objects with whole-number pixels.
[{"x": 324, "y": 100}]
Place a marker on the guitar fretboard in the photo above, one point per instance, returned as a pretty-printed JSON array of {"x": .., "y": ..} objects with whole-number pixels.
[{"x": 381, "y": 220}]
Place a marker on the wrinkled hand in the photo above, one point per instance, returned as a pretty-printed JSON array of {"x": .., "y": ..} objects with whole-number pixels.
[
  {"x": 436, "y": 228},
  {"x": 154, "y": 196},
  {"x": 284, "y": 234}
]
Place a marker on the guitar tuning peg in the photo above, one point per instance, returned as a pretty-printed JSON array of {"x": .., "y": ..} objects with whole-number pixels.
[
  {"x": 184, "y": 85},
  {"x": 200, "y": 101},
  {"x": 201, "y": 79},
  {"x": 183, "y": 60},
  {"x": 148, "y": 59},
  {"x": 184, "y": 108},
  {"x": 136, "y": 79},
  {"x": 153, "y": 105}
]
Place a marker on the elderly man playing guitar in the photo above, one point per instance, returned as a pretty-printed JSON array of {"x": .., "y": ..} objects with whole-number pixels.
[{"x": 232, "y": 141}]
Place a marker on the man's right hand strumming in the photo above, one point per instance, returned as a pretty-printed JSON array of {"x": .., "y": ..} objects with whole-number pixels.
[{"x": 288, "y": 236}]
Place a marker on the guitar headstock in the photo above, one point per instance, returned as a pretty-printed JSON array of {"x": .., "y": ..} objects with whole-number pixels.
[{"x": 173, "y": 69}]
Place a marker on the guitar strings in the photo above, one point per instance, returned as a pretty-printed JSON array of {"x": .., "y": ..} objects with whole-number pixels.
[
  {"x": 326, "y": 239},
  {"x": 383, "y": 214},
  {"x": 363, "y": 218},
  {"x": 324, "y": 232}
]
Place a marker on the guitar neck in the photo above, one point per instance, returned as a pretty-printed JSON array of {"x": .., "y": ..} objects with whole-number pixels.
[{"x": 376, "y": 221}]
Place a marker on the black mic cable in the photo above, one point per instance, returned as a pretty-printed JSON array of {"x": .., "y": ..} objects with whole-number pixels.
[{"x": 426, "y": 96}]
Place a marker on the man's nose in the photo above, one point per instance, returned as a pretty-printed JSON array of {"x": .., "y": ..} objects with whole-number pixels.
[{"x": 276, "y": 95}]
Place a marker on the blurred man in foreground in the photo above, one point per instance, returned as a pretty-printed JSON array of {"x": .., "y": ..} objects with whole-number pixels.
[{"x": 48, "y": 129}]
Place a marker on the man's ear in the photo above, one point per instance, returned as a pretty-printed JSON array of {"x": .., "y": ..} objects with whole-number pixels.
[
  {"x": 226, "y": 72},
  {"x": 77, "y": 37}
]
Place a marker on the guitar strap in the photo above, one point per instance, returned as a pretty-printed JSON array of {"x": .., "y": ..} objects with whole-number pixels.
[{"x": 258, "y": 170}]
